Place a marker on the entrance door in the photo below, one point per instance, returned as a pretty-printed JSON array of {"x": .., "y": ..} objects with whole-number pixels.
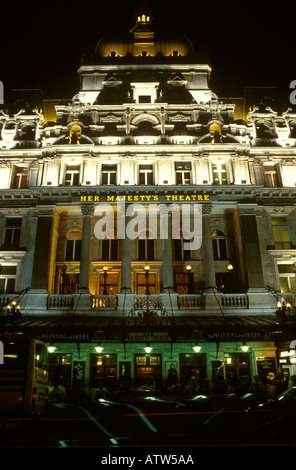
[
  {"x": 237, "y": 371},
  {"x": 148, "y": 370},
  {"x": 103, "y": 371},
  {"x": 193, "y": 372}
]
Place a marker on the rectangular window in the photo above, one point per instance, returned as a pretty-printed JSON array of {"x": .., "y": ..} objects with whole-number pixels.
[
  {"x": 219, "y": 173},
  {"x": 109, "y": 174},
  {"x": 146, "y": 174},
  {"x": 13, "y": 231},
  {"x": 141, "y": 283},
  {"x": 144, "y": 99},
  {"x": 72, "y": 175},
  {"x": 287, "y": 275},
  {"x": 280, "y": 233},
  {"x": 73, "y": 249},
  {"x": 69, "y": 283},
  {"x": 271, "y": 175},
  {"x": 180, "y": 254},
  {"x": 20, "y": 177},
  {"x": 7, "y": 278},
  {"x": 109, "y": 250},
  {"x": 109, "y": 284},
  {"x": 184, "y": 283},
  {"x": 146, "y": 250},
  {"x": 183, "y": 172}
]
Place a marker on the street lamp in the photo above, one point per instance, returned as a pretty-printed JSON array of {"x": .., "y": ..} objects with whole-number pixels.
[
  {"x": 13, "y": 308},
  {"x": 190, "y": 279},
  {"x": 105, "y": 274},
  {"x": 147, "y": 268},
  {"x": 283, "y": 309}
]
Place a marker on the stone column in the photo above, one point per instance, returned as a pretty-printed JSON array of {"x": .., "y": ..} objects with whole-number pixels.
[
  {"x": 210, "y": 275},
  {"x": 87, "y": 211},
  {"x": 126, "y": 266},
  {"x": 42, "y": 252},
  {"x": 251, "y": 250},
  {"x": 167, "y": 268}
]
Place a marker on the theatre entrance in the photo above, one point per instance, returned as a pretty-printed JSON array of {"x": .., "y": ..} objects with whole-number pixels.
[{"x": 148, "y": 370}]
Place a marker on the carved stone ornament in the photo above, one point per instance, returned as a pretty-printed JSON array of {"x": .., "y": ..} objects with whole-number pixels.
[{"x": 87, "y": 209}]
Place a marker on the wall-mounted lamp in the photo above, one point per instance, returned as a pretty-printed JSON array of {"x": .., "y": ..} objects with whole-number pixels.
[
  {"x": 245, "y": 347},
  {"x": 196, "y": 348},
  {"x": 51, "y": 348},
  {"x": 148, "y": 348},
  {"x": 99, "y": 348}
]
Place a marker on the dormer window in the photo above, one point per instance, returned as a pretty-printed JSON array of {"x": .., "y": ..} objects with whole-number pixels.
[{"x": 145, "y": 92}]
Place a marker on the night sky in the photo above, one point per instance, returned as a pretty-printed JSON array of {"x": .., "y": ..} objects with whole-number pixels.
[{"x": 246, "y": 43}]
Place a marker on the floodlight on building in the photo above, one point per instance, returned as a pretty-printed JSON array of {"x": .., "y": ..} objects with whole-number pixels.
[
  {"x": 51, "y": 348},
  {"x": 245, "y": 347}
]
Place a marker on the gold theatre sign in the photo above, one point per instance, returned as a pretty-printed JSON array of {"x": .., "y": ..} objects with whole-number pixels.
[{"x": 176, "y": 197}]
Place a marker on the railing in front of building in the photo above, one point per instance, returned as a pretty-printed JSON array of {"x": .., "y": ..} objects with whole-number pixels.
[
  {"x": 234, "y": 300},
  {"x": 56, "y": 301},
  {"x": 199, "y": 301},
  {"x": 190, "y": 301},
  {"x": 104, "y": 301}
]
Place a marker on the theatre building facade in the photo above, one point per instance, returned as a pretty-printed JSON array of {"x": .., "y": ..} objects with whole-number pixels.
[{"x": 148, "y": 226}]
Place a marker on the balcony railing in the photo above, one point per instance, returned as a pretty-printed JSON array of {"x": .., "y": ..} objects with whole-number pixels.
[
  {"x": 234, "y": 300},
  {"x": 104, "y": 301},
  {"x": 60, "y": 301},
  {"x": 190, "y": 301}
]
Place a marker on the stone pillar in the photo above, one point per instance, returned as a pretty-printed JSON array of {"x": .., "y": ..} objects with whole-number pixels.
[
  {"x": 210, "y": 275},
  {"x": 42, "y": 252},
  {"x": 251, "y": 250},
  {"x": 167, "y": 268},
  {"x": 87, "y": 211},
  {"x": 126, "y": 266}
]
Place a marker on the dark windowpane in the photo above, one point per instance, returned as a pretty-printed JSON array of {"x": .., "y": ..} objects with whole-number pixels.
[{"x": 141, "y": 250}]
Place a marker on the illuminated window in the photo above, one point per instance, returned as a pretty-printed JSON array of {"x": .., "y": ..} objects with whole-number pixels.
[
  {"x": 183, "y": 172},
  {"x": 109, "y": 283},
  {"x": 287, "y": 275},
  {"x": 141, "y": 283},
  {"x": 20, "y": 177},
  {"x": 219, "y": 173},
  {"x": 280, "y": 233}
]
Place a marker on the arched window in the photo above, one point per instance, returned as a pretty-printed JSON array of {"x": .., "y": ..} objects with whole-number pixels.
[{"x": 219, "y": 245}]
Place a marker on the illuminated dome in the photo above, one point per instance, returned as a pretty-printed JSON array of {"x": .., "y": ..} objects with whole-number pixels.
[{"x": 143, "y": 41}]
